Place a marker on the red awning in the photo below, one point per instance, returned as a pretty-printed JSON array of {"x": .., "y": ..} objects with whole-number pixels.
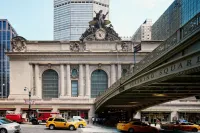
[
  {"x": 37, "y": 108},
  {"x": 7, "y": 109},
  {"x": 69, "y": 109}
]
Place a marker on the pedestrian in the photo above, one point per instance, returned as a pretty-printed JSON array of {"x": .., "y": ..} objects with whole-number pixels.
[{"x": 93, "y": 120}]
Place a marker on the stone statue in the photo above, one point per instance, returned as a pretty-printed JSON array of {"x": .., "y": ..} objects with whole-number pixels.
[
  {"x": 99, "y": 24},
  {"x": 99, "y": 21}
]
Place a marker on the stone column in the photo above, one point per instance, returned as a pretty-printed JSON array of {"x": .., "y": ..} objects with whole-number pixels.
[
  {"x": 113, "y": 74},
  {"x": 119, "y": 71},
  {"x": 62, "y": 78},
  {"x": 137, "y": 115},
  {"x": 91, "y": 113},
  {"x": 87, "y": 85},
  {"x": 37, "y": 82},
  {"x": 68, "y": 81},
  {"x": 80, "y": 92},
  {"x": 174, "y": 115}
]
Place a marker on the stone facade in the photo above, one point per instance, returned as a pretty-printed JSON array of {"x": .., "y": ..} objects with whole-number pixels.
[{"x": 28, "y": 65}]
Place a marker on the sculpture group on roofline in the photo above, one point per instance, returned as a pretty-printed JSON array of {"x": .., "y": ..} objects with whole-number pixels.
[{"x": 99, "y": 23}]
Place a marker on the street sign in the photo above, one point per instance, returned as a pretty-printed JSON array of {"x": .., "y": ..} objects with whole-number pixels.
[
  {"x": 137, "y": 48},
  {"x": 29, "y": 102}
]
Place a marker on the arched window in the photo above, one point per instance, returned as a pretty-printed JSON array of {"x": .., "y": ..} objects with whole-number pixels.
[
  {"x": 50, "y": 84},
  {"x": 99, "y": 82}
]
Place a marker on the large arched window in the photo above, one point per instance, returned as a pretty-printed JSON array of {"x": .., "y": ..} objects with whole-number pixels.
[
  {"x": 99, "y": 82},
  {"x": 50, "y": 84}
]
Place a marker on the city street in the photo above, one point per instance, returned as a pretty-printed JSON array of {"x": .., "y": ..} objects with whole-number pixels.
[{"x": 27, "y": 128}]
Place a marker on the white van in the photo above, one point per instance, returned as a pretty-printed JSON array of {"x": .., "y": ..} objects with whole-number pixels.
[{"x": 76, "y": 117}]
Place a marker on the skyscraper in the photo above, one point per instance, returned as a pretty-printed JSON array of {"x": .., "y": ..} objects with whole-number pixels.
[
  {"x": 6, "y": 34},
  {"x": 143, "y": 33},
  {"x": 71, "y": 17},
  {"x": 176, "y": 15}
]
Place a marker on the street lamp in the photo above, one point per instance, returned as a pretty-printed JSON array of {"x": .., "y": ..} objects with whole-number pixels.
[
  {"x": 2, "y": 90},
  {"x": 29, "y": 105}
]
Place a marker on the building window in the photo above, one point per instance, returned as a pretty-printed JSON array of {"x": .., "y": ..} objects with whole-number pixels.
[
  {"x": 99, "y": 82},
  {"x": 4, "y": 25},
  {"x": 124, "y": 71},
  {"x": 74, "y": 73},
  {"x": 0, "y": 25},
  {"x": 50, "y": 84},
  {"x": 74, "y": 88}
]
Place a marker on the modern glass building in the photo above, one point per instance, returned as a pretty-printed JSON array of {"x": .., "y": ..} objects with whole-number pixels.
[
  {"x": 6, "y": 34},
  {"x": 178, "y": 14},
  {"x": 71, "y": 17}
]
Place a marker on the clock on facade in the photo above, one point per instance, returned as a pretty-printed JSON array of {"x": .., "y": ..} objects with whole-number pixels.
[{"x": 100, "y": 34}]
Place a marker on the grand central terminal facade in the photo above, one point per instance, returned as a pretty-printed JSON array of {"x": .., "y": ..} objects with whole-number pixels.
[
  {"x": 67, "y": 76},
  {"x": 64, "y": 76}
]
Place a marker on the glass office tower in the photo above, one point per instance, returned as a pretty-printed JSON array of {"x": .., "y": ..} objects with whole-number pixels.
[
  {"x": 6, "y": 34},
  {"x": 71, "y": 17},
  {"x": 177, "y": 14}
]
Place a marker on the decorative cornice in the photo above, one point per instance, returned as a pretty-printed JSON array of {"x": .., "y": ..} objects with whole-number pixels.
[
  {"x": 95, "y": 63},
  {"x": 74, "y": 53}
]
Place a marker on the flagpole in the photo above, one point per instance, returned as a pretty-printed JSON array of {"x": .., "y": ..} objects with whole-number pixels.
[
  {"x": 134, "y": 54},
  {"x": 134, "y": 57}
]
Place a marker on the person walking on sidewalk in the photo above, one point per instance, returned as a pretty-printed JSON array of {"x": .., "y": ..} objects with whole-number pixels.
[{"x": 93, "y": 120}]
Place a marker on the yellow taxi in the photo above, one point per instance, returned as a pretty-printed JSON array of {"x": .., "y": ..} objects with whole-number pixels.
[
  {"x": 136, "y": 126},
  {"x": 81, "y": 122},
  {"x": 57, "y": 122},
  {"x": 183, "y": 126}
]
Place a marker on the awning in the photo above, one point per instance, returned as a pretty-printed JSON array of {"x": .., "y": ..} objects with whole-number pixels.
[
  {"x": 36, "y": 108},
  {"x": 7, "y": 109},
  {"x": 157, "y": 110},
  {"x": 70, "y": 109},
  {"x": 189, "y": 110}
]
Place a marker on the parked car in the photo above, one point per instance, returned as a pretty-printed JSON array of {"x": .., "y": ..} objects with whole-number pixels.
[
  {"x": 183, "y": 126},
  {"x": 15, "y": 117},
  {"x": 57, "y": 122},
  {"x": 136, "y": 126},
  {"x": 81, "y": 122},
  {"x": 8, "y": 126}
]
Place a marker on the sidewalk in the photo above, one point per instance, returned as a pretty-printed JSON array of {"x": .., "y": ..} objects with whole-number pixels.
[{"x": 98, "y": 129}]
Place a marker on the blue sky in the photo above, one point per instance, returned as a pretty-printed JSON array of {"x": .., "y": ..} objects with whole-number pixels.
[{"x": 33, "y": 19}]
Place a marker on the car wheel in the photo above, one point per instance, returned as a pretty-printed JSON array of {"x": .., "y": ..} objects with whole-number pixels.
[
  {"x": 131, "y": 130},
  {"x": 71, "y": 127},
  {"x": 194, "y": 130},
  {"x": 3, "y": 130},
  {"x": 81, "y": 125},
  {"x": 51, "y": 127}
]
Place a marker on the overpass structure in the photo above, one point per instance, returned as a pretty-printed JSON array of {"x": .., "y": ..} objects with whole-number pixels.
[{"x": 170, "y": 72}]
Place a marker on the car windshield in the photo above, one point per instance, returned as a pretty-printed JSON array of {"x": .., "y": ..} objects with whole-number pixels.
[{"x": 5, "y": 121}]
